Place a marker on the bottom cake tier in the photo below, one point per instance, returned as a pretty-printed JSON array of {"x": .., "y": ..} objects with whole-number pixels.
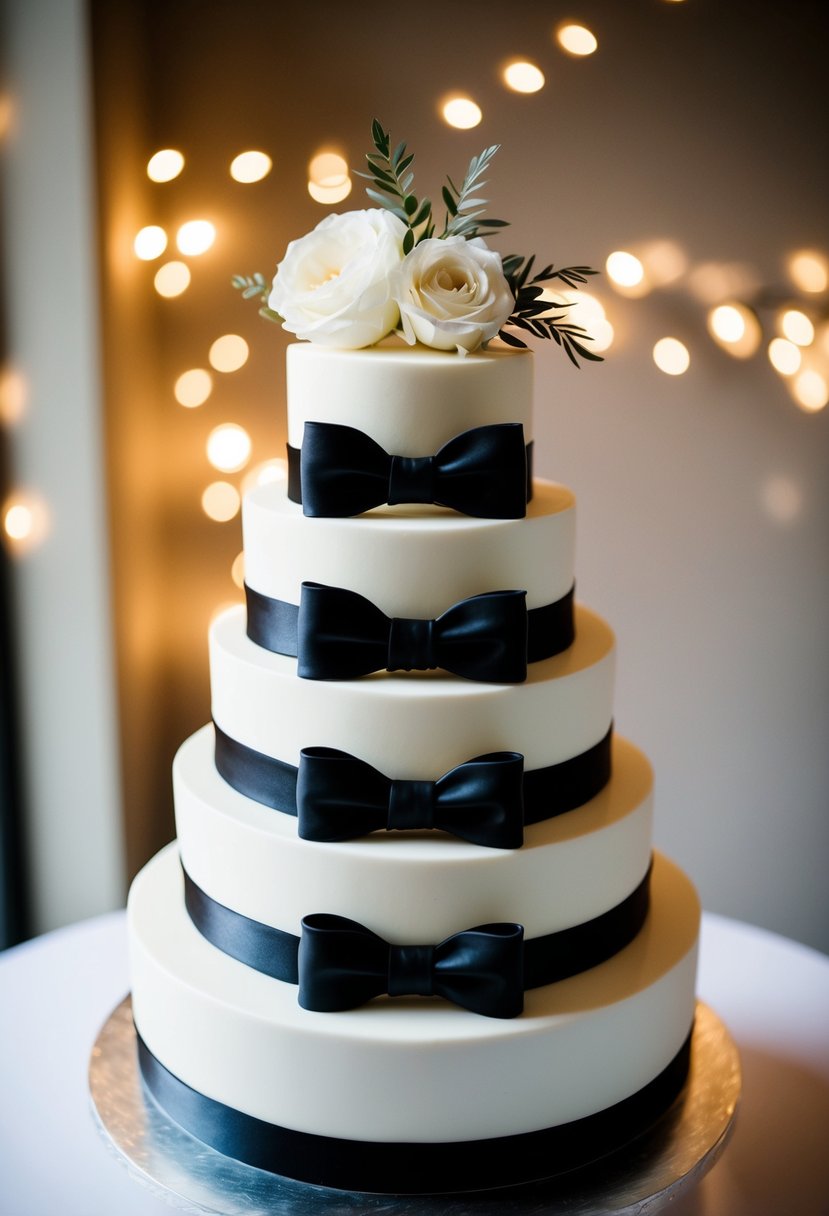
[{"x": 410, "y": 1094}]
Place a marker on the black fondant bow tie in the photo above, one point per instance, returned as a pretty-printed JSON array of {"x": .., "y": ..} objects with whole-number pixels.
[
  {"x": 341, "y": 635},
  {"x": 342, "y": 965},
  {"x": 482, "y": 472},
  {"x": 339, "y": 797}
]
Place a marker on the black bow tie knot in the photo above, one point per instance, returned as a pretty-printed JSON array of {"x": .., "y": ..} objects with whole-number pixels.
[
  {"x": 340, "y": 797},
  {"x": 482, "y": 472},
  {"x": 342, "y": 965},
  {"x": 341, "y": 635}
]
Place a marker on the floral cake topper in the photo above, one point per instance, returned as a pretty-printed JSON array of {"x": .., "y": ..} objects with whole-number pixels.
[{"x": 362, "y": 275}]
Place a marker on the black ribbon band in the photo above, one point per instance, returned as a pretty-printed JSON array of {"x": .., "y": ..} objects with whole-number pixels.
[
  {"x": 357, "y": 627},
  {"x": 546, "y": 959},
  {"x": 413, "y": 1168},
  {"x": 295, "y": 472},
  {"x": 546, "y": 793}
]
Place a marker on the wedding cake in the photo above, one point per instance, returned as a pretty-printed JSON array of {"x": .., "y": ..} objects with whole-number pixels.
[{"x": 412, "y": 936}]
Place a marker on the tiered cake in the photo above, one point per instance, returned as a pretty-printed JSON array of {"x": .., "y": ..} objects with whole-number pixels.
[{"x": 412, "y": 936}]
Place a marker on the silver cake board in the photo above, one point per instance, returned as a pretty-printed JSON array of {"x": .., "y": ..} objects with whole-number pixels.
[{"x": 649, "y": 1173}]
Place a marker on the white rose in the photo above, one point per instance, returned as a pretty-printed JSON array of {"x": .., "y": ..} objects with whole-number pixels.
[
  {"x": 332, "y": 286},
  {"x": 452, "y": 294}
]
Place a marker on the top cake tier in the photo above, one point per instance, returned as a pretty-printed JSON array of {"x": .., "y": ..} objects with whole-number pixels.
[{"x": 410, "y": 400}]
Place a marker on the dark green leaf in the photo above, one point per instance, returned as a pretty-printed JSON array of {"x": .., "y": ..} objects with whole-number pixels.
[
  {"x": 423, "y": 214},
  {"x": 408, "y": 241},
  {"x": 511, "y": 339},
  {"x": 451, "y": 206}
]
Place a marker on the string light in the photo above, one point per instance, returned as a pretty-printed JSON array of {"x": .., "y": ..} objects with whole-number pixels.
[
  {"x": 810, "y": 390},
  {"x": 576, "y": 40},
  {"x": 808, "y": 270},
  {"x": 220, "y": 501},
  {"x": 736, "y": 328},
  {"x": 625, "y": 270},
  {"x": 261, "y": 474},
  {"x": 328, "y": 179},
  {"x": 523, "y": 77},
  {"x": 588, "y": 312},
  {"x": 671, "y": 356},
  {"x": 13, "y": 396},
  {"x": 237, "y": 570},
  {"x": 25, "y": 521},
  {"x": 784, "y": 356},
  {"x": 250, "y": 166},
  {"x": 461, "y": 112},
  {"x": 228, "y": 447},
  {"x": 150, "y": 243},
  {"x": 193, "y": 387},
  {"x": 172, "y": 279},
  {"x": 195, "y": 237},
  {"x": 228, "y": 353},
  {"x": 797, "y": 327},
  {"x": 165, "y": 165}
]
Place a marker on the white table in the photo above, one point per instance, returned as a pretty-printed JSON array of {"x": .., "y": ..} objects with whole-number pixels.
[{"x": 56, "y": 991}]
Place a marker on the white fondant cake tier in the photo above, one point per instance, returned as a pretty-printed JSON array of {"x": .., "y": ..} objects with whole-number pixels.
[
  {"x": 410, "y": 561},
  {"x": 410, "y": 400},
  {"x": 413, "y": 725},
  {"x": 240, "y": 1037},
  {"x": 413, "y": 887}
]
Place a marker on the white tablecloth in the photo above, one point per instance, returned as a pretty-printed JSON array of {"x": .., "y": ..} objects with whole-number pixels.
[{"x": 56, "y": 991}]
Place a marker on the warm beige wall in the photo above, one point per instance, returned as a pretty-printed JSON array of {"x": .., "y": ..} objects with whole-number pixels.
[{"x": 696, "y": 122}]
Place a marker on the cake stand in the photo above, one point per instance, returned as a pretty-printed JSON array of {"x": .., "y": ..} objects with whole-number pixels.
[{"x": 648, "y": 1173}]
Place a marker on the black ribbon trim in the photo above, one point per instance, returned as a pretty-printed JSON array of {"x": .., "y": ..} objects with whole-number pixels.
[
  {"x": 547, "y": 959},
  {"x": 295, "y": 473},
  {"x": 547, "y": 792},
  {"x": 413, "y": 1168},
  {"x": 274, "y": 624}
]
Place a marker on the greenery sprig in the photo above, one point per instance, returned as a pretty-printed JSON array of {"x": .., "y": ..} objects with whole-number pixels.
[
  {"x": 253, "y": 286},
  {"x": 534, "y": 314},
  {"x": 392, "y": 176},
  {"x": 460, "y": 220}
]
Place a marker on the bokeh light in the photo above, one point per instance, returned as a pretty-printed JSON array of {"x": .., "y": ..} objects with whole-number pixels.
[
  {"x": 810, "y": 390},
  {"x": 576, "y": 40},
  {"x": 165, "y": 165},
  {"x": 25, "y": 521},
  {"x": 193, "y": 387},
  {"x": 784, "y": 356},
  {"x": 461, "y": 112},
  {"x": 228, "y": 353},
  {"x": 809, "y": 270},
  {"x": 782, "y": 499},
  {"x": 228, "y": 447},
  {"x": 172, "y": 279},
  {"x": 150, "y": 243},
  {"x": 664, "y": 262},
  {"x": 220, "y": 501},
  {"x": 671, "y": 356},
  {"x": 13, "y": 396},
  {"x": 523, "y": 77},
  {"x": 237, "y": 570},
  {"x": 624, "y": 269},
  {"x": 328, "y": 178},
  {"x": 195, "y": 237},
  {"x": 261, "y": 474},
  {"x": 797, "y": 327},
  {"x": 735, "y": 328},
  {"x": 250, "y": 166}
]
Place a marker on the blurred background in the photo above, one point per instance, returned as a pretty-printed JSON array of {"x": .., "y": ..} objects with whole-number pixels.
[{"x": 676, "y": 145}]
